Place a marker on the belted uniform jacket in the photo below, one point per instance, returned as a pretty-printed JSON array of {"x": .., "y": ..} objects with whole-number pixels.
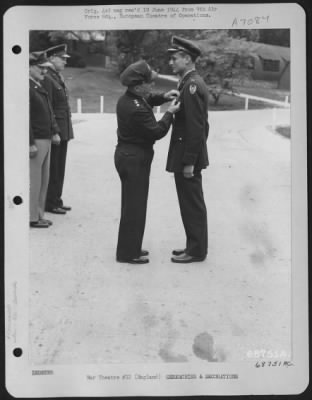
[
  {"x": 42, "y": 123},
  {"x": 136, "y": 121},
  {"x": 190, "y": 126},
  {"x": 55, "y": 86}
]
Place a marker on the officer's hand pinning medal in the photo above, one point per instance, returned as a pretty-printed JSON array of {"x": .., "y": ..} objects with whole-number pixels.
[
  {"x": 174, "y": 106},
  {"x": 172, "y": 94}
]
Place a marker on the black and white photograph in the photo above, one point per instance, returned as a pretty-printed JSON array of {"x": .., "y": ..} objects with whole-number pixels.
[{"x": 159, "y": 183}]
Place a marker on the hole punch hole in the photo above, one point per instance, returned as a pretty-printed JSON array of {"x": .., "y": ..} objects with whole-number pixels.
[
  {"x": 16, "y": 49},
  {"x": 17, "y": 200},
  {"x": 17, "y": 352}
]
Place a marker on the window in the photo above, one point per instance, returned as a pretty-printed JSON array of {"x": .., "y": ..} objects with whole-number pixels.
[{"x": 271, "y": 65}]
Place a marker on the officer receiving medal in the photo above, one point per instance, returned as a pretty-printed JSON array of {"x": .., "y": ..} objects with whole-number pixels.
[{"x": 187, "y": 154}]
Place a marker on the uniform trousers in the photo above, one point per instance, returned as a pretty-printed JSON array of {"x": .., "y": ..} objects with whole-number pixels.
[
  {"x": 193, "y": 213},
  {"x": 133, "y": 164},
  {"x": 39, "y": 178},
  {"x": 57, "y": 174}
]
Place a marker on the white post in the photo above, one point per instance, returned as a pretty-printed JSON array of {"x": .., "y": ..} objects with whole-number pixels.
[
  {"x": 102, "y": 105},
  {"x": 286, "y": 99},
  {"x": 274, "y": 118},
  {"x": 246, "y": 102},
  {"x": 158, "y": 110},
  {"x": 79, "y": 106}
]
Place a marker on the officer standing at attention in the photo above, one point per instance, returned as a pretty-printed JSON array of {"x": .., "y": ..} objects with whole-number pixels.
[
  {"x": 55, "y": 86},
  {"x": 137, "y": 132},
  {"x": 187, "y": 154},
  {"x": 42, "y": 130}
]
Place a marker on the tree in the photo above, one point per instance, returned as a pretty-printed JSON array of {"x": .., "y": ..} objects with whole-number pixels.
[
  {"x": 150, "y": 45},
  {"x": 39, "y": 40},
  {"x": 252, "y": 35},
  {"x": 94, "y": 41},
  {"x": 224, "y": 62},
  {"x": 278, "y": 37},
  {"x": 130, "y": 47}
]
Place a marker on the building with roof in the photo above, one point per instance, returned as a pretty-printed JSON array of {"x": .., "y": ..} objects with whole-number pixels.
[{"x": 271, "y": 63}]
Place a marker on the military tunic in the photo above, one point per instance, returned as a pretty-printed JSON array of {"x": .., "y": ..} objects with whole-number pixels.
[
  {"x": 57, "y": 90},
  {"x": 137, "y": 132},
  {"x": 188, "y": 147},
  {"x": 190, "y": 128}
]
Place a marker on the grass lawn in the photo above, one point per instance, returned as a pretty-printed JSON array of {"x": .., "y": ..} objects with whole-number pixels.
[{"x": 90, "y": 83}]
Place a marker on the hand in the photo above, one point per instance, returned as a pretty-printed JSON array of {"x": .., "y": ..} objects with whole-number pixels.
[
  {"x": 172, "y": 94},
  {"x": 33, "y": 151},
  {"x": 174, "y": 107},
  {"x": 56, "y": 139},
  {"x": 188, "y": 171}
]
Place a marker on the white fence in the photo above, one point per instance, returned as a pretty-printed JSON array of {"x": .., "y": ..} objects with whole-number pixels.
[
  {"x": 247, "y": 97},
  {"x": 284, "y": 103}
]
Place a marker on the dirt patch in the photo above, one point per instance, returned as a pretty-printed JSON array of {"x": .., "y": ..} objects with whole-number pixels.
[
  {"x": 204, "y": 348},
  {"x": 284, "y": 131}
]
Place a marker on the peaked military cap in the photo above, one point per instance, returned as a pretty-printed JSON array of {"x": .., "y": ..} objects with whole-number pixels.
[
  {"x": 59, "y": 51},
  {"x": 38, "y": 58},
  {"x": 181, "y": 44},
  {"x": 137, "y": 73}
]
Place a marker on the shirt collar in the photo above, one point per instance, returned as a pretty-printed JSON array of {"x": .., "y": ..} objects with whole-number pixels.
[
  {"x": 187, "y": 73},
  {"x": 184, "y": 76}
]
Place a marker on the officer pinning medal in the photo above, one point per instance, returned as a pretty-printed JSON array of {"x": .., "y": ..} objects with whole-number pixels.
[{"x": 137, "y": 132}]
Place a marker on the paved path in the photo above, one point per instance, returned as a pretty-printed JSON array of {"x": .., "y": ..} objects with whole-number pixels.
[{"x": 87, "y": 308}]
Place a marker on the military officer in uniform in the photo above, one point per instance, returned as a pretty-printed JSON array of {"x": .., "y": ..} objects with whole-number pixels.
[
  {"x": 55, "y": 85},
  {"x": 187, "y": 154},
  {"x": 137, "y": 132},
  {"x": 42, "y": 130}
]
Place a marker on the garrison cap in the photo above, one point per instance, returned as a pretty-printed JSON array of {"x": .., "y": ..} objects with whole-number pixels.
[
  {"x": 38, "y": 58},
  {"x": 58, "y": 51},
  {"x": 181, "y": 44},
  {"x": 137, "y": 73}
]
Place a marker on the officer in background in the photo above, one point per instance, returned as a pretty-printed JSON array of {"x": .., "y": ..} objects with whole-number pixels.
[
  {"x": 55, "y": 85},
  {"x": 137, "y": 132},
  {"x": 42, "y": 130},
  {"x": 187, "y": 154}
]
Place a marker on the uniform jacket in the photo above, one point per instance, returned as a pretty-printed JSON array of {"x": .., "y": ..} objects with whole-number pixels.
[
  {"x": 55, "y": 86},
  {"x": 190, "y": 126},
  {"x": 42, "y": 123},
  {"x": 136, "y": 121}
]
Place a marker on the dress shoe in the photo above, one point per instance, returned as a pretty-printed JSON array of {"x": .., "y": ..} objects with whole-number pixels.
[
  {"x": 66, "y": 208},
  {"x": 140, "y": 260},
  {"x": 144, "y": 253},
  {"x": 56, "y": 210},
  {"x": 185, "y": 259},
  {"x": 178, "y": 252},
  {"x": 39, "y": 224},
  {"x": 47, "y": 221}
]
